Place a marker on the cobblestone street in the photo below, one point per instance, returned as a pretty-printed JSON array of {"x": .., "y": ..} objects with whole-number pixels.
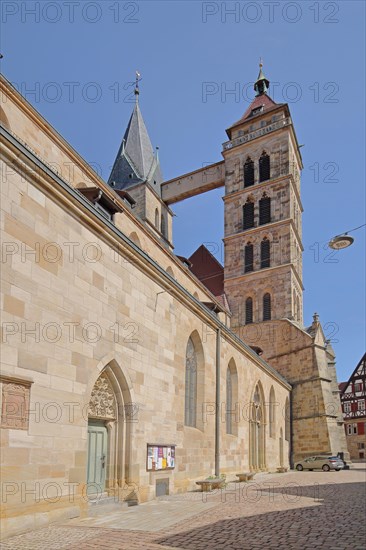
[{"x": 306, "y": 510}]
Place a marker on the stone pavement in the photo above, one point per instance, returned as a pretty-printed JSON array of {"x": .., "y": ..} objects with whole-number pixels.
[{"x": 297, "y": 510}]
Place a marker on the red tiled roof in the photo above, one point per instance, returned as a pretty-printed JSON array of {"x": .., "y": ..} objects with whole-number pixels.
[
  {"x": 259, "y": 101},
  {"x": 223, "y": 301},
  {"x": 208, "y": 270},
  {"x": 342, "y": 385}
]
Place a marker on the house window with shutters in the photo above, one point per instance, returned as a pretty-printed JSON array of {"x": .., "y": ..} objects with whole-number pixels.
[
  {"x": 248, "y": 258},
  {"x": 248, "y": 214},
  {"x": 267, "y": 307},
  {"x": 264, "y": 210},
  {"x": 265, "y": 253},
  {"x": 248, "y": 172},
  {"x": 248, "y": 311},
  {"x": 264, "y": 167}
]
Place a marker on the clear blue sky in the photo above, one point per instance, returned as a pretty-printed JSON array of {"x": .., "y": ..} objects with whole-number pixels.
[{"x": 313, "y": 51}]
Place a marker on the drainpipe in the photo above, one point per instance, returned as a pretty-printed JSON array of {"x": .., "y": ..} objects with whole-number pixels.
[
  {"x": 217, "y": 399},
  {"x": 291, "y": 442}
]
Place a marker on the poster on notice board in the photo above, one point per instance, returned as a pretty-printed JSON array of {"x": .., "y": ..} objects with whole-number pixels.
[{"x": 160, "y": 457}]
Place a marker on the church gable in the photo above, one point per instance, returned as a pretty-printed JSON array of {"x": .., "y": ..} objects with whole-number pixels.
[{"x": 208, "y": 270}]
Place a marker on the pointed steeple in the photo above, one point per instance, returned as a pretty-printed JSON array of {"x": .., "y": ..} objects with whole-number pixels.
[
  {"x": 262, "y": 103},
  {"x": 262, "y": 84},
  {"x": 136, "y": 161}
]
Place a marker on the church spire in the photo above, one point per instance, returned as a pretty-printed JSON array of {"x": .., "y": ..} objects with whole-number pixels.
[
  {"x": 135, "y": 161},
  {"x": 262, "y": 84}
]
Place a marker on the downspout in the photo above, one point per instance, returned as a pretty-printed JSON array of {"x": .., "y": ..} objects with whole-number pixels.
[
  {"x": 217, "y": 399},
  {"x": 291, "y": 442}
]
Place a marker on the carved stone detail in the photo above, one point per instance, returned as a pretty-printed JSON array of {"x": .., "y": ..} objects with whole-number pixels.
[
  {"x": 102, "y": 403},
  {"x": 15, "y": 405}
]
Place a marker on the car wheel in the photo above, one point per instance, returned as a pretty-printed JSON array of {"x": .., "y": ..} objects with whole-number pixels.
[
  {"x": 299, "y": 468},
  {"x": 337, "y": 469},
  {"x": 310, "y": 469},
  {"x": 325, "y": 468}
]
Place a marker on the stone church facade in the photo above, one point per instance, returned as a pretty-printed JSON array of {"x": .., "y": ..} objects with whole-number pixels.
[{"x": 122, "y": 369}]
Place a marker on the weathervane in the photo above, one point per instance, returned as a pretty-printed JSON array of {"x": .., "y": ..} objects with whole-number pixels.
[{"x": 137, "y": 90}]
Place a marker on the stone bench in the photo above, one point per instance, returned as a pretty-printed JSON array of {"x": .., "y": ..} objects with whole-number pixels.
[
  {"x": 245, "y": 476},
  {"x": 207, "y": 485}
]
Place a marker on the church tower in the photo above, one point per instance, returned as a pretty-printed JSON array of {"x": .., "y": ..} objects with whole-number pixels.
[
  {"x": 263, "y": 248},
  {"x": 263, "y": 270},
  {"x": 136, "y": 170}
]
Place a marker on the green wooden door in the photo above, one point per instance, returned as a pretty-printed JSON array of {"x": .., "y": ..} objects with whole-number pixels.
[{"x": 97, "y": 457}]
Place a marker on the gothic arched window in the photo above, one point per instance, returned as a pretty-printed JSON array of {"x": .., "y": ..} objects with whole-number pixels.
[
  {"x": 272, "y": 413},
  {"x": 231, "y": 399},
  {"x": 264, "y": 210},
  {"x": 248, "y": 311},
  {"x": 248, "y": 214},
  {"x": 248, "y": 258},
  {"x": 229, "y": 402},
  {"x": 191, "y": 385},
  {"x": 264, "y": 167},
  {"x": 267, "y": 307},
  {"x": 265, "y": 253},
  {"x": 163, "y": 226},
  {"x": 248, "y": 172},
  {"x": 287, "y": 419}
]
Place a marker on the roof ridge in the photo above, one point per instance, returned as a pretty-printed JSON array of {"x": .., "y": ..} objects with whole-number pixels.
[{"x": 133, "y": 165}]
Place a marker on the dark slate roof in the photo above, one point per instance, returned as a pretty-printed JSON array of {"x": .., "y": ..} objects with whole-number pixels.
[{"x": 136, "y": 161}]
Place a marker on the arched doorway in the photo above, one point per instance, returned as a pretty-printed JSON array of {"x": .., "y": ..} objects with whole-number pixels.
[
  {"x": 257, "y": 432},
  {"x": 110, "y": 419}
]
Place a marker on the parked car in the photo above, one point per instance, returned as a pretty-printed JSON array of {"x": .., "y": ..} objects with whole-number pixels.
[{"x": 324, "y": 463}]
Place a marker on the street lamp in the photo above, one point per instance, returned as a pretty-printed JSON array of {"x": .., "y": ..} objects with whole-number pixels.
[
  {"x": 344, "y": 240},
  {"x": 341, "y": 241}
]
